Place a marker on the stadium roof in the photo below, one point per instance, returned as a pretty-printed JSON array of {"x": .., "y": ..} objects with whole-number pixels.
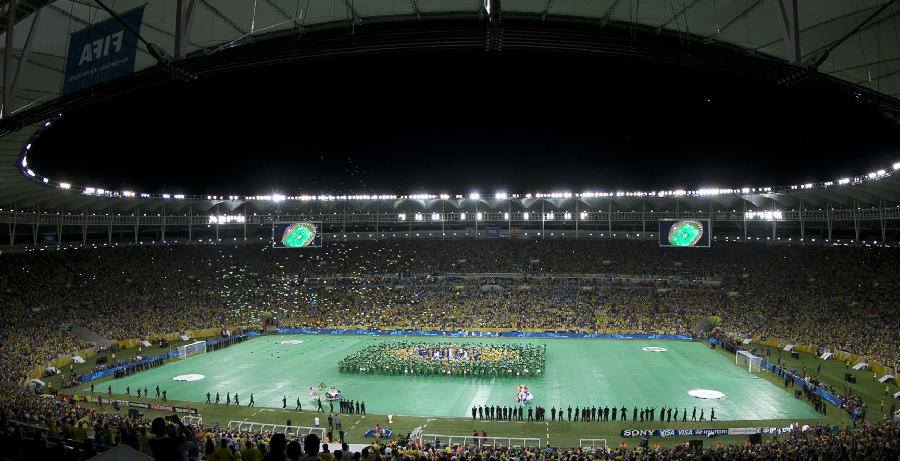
[
  {"x": 847, "y": 47},
  {"x": 857, "y": 42}
]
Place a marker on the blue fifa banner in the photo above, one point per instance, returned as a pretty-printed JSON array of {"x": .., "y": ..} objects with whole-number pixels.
[{"x": 102, "y": 52}]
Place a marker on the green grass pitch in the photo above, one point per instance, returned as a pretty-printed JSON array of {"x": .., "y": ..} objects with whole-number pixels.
[{"x": 578, "y": 373}]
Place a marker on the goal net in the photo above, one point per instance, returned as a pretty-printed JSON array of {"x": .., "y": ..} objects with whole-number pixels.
[
  {"x": 745, "y": 359},
  {"x": 194, "y": 348}
]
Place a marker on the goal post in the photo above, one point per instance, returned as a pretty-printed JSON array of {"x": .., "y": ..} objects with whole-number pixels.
[
  {"x": 748, "y": 360},
  {"x": 592, "y": 443},
  {"x": 194, "y": 348}
]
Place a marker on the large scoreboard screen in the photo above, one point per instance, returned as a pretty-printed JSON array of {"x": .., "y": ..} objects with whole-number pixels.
[
  {"x": 297, "y": 235},
  {"x": 684, "y": 232}
]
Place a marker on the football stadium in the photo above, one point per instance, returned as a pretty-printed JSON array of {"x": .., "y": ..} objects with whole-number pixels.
[{"x": 446, "y": 230}]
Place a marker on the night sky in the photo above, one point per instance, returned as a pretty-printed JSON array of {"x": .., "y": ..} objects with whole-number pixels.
[{"x": 461, "y": 122}]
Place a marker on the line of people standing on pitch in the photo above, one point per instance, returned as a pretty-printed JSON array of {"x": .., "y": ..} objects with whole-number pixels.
[
  {"x": 506, "y": 413},
  {"x": 588, "y": 414},
  {"x": 646, "y": 414},
  {"x": 353, "y": 408}
]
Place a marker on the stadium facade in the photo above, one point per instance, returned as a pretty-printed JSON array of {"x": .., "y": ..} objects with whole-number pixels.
[{"x": 842, "y": 48}]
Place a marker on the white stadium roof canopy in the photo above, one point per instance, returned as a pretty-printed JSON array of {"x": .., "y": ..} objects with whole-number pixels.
[{"x": 855, "y": 41}]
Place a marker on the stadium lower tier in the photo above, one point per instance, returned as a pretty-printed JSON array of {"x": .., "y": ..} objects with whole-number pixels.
[{"x": 577, "y": 373}]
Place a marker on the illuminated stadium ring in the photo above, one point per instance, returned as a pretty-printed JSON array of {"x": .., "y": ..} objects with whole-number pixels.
[
  {"x": 293, "y": 341},
  {"x": 655, "y": 349},
  {"x": 190, "y": 377},
  {"x": 298, "y": 235},
  {"x": 706, "y": 394},
  {"x": 685, "y": 233}
]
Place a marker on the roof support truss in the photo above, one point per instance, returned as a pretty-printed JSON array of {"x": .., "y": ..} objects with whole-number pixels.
[
  {"x": 351, "y": 10},
  {"x": 546, "y": 10},
  {"x": 733, "y": 20},
  {"x": 864, "y": 65},
  {"x": 610, "y": 11},
  {"x": 820, "y": 24},
  {"x": 675, "y": 16},
  {"x": 7, "y": 57},
  {"x": 790, "y": 28},
  {"x": 877, "y": 77},
  {"x": 183, "y": 15},
  {"x": 818, "y": 56},
  {"x": 224, "y": 18},
  {"x": 23, "y": 59},
  {"x": 280, "y": 10}
]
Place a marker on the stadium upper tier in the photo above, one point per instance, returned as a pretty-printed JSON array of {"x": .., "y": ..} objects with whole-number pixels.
[{"x": 865, "y": 208}]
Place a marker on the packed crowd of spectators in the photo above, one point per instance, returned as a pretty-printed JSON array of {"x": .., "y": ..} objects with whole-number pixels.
[
  {"x": 835, "y": 297},
  {"x": 44, "y": 428}
]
